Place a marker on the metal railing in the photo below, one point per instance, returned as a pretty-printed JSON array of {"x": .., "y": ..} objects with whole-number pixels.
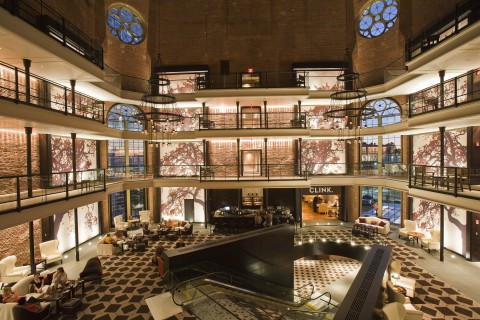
[
  {"x": 47, "y": 20},
  {"x": 21, "y": 192},
  {"x": 457, "y": 91},
  {"x": 46, "y": 94},
  {"x": 448, "y": 180},
  {"x": 451, "y": 24}
]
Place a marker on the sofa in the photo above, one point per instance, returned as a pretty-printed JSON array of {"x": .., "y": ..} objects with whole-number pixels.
[
  {"x": 394, "y": 296},
  {"x": 21, "y": 288},
  {"x": 382, "y": 225},
  {"x": 104, "y": 249},
  {"x": 9, "y": 272}
]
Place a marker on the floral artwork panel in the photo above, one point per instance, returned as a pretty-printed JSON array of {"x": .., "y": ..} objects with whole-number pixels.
[{"x": 172, "y": 204}]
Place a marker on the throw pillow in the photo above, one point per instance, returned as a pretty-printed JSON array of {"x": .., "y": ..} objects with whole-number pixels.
[
  {"x": 362, "y": 220},
  {"x": 373, "y": 222},
  {"x": 184, "y": 223},
  {"x": 382, "y": 224},
  {"x": 48, "y": 279}
]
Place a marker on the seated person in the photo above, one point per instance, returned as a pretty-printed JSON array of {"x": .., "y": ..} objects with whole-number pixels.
[
  {"x": 9, "y": 295},
  {"x": 158, "y": 254},
  {"x": 180, "y": 244},
  {"x": 37, "y": 284},
  {"x": 268, "y": 220},
  {"x": 59, "y": 279},
  {"x": 258, "y": 219},
  {"x": 109, "y": 239}
]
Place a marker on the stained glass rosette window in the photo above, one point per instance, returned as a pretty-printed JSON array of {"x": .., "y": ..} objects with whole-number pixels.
[
  {"x": 125, "y": 24},
  {"x": 377, "y": 17}
]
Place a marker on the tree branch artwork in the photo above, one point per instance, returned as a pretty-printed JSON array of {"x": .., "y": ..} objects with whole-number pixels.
[
  {"x": 427, "y": 214},
  {"x": 454, "y": 215},
  {"x": 180, "y": 159},
  {"x": 172, "y": 200},
  {"x": 324, "y": 156}
]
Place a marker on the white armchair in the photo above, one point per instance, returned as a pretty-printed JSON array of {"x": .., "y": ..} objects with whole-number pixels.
[
  {"x": 144, "y": 217},
  {"x": 119, "y": 223},
  {"x": 49, "y": 251},
  {"x": 397, "y": 311},
  {"x": 410, "y": 226},
  {"x": 431, "y": 241},
  {"x": 10, "y": 273},
  {"x": 394, "y": 270}
]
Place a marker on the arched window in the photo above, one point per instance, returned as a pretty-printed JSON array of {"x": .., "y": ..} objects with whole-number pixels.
[
  {"x": 377, "y": 17},
  {"x": 121, "y": 117},
  {"x": 125, "y": 24},
  {"x": 387, "y": 111}
]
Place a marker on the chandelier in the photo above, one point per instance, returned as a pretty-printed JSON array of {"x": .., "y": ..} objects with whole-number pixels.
[
  {"x": 348, "y": 103},
  {"x": 161, "y": 118}
]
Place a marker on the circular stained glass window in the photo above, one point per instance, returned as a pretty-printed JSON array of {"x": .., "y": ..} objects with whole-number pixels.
[
  {"x": 125, "y": 24},
  {"x": 377, "y": 17}
]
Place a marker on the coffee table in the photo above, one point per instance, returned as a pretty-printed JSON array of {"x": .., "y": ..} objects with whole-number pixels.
[{"x": 415, "y": 235}]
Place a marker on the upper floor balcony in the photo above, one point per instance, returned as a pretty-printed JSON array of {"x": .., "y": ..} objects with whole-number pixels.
[{"x": 45, "y": 19}]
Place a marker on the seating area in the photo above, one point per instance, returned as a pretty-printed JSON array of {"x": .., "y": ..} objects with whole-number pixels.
[
  {"x": 409, "y": 226},
  {"x": 394, "y": 272},
  {"x": 431, "y": 241},
  {"x": 9, "y": 272},
  {"x": 382, "y": 225},
  {"x": 49, "y": 252}
]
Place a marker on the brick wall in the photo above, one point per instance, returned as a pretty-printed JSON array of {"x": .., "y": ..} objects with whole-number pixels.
[
  {"x": 14, "y": 241},
  {"x": 13, "y": 157}
]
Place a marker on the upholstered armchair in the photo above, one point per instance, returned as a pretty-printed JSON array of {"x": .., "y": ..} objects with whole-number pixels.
[
  {"x": 144, "y": 217},
  {"x": 409, "y": 226},
  {"x": 394, "y": 270},
  {"x": 187, "y": 230},
  {"x": 49, "y": 251},
  {"x": 395, "y": 296},
  {"x": 397, "y": 311},
  {"x": 9, "y": 272},
  {"x": 119, "y": 223},
  {"x": 93, "y": 270},
  {"x": 432, "y": 241}
]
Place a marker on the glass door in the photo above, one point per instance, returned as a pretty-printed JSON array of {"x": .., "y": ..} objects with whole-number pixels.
[
  {"x": 251, "y": 117},
  {"x": 251, "y": 163}
]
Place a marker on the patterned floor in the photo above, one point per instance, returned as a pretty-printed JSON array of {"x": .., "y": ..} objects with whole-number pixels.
[{"x": 130, "y": 279}]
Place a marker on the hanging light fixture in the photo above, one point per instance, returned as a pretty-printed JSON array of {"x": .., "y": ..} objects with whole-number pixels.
[
  {"x": 161, "y": 118},
  {"x": 348, "y": 104}
]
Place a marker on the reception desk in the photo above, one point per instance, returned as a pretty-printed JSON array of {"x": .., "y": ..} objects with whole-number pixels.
[{"x": 242, "y": 221}]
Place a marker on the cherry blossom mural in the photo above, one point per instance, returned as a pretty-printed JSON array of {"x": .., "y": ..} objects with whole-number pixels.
[
  {"x": 181, "y": 83},
  {"x": 88, "y": 226},
  {"x": 190, "y": 120},
  {"x": 324, "y": 156},
  {"x": 180, "y": 159},
  {"x": 426, "y": 148},
  {"x": 172, "y": 204},
  {"x": 315, "y": 117},
  {"x": 426, "y": 214},
  {"x": 61, "y": 151}
]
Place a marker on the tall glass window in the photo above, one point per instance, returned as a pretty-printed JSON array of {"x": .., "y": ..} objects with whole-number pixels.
[
  {"x": 369, "y": 201},
  {"x": 137, "y": 201},
  {"x": 369, "y": 153},
  {"x": 392, "y": 147},
  {"x": 391, "y": 205},
  {"x": 117, "y": 206}
]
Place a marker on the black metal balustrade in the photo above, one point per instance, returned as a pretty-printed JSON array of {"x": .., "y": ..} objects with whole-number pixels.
[
  {"x": 21, "y": 192},
  {"x": 453, "y": 23},
  {"x": 246, "y": 80},
  {"x": 268, "y": 120},
  {"x": 47, "y": 20},
  {"x": 457, "y": 91},
  {"x": 47, "y": 94}
]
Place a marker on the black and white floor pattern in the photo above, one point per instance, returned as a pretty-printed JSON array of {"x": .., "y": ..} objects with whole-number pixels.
[{"x": 130, "y": 278}]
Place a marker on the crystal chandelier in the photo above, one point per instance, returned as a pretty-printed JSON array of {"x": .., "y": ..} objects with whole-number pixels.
[
  {"x": 161, "y": 118},
  {"x": 348, "y": 103}
]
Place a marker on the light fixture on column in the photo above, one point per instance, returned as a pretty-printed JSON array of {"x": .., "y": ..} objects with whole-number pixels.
[
  {"x": 348, "y": 103},
  {"x": 161, "y": 118}
]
